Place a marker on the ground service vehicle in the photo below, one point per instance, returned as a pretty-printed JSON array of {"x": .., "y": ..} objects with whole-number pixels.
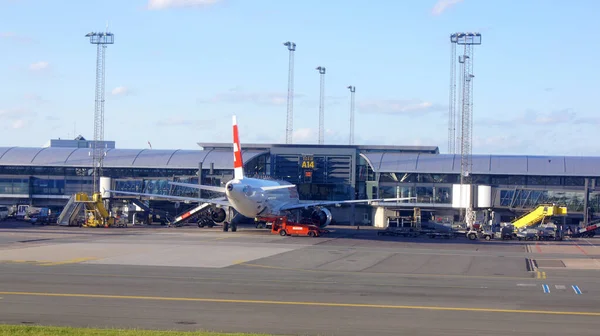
[{"x": 284, "y": 228}]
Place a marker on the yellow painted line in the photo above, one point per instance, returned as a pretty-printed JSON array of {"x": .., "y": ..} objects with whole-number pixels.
[
  {"x": 220, "y": 238},
  {"x": 417, "y": 275},
  {"x": 540, "y": 275},
  {"x": 301, "y": 303},
  {"x": 20, "y": 261},
  {"x": 65, "y": 262}
]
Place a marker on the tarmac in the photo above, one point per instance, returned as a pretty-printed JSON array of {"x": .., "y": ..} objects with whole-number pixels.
[{"x": 349, "y": 282}]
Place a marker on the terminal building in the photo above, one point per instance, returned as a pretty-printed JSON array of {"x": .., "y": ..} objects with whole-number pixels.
[{"x": 507, "y": 185}]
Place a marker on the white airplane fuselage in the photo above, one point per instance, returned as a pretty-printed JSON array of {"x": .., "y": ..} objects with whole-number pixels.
[{"x": 247, "y": 197}]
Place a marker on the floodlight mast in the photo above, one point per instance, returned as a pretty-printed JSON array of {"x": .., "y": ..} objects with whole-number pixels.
[
  {"x": 101, "y": 39},
  {"x": 291, "y": 46},
  {"x": 468, "y": 40},
  {"x": 321, "y": 105},
  {"x": 352, "y": 92}
]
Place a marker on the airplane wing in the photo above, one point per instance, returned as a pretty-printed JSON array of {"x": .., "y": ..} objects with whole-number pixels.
[
  {"x": 278, "y": 187},
  {"x": 217, "y": 201},
  {"x": 313, "y": 204},
  {"x": 221, "y": 189},
  {"x": 198, "y": 186}
]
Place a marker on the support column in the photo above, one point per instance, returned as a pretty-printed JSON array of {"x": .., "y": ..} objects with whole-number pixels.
[
  {"x": 199, "y": 179},
  {"x": 586, "y": 199}
]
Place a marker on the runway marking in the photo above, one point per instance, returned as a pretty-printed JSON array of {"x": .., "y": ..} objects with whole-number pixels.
[
  {"x": 546, "y": 289},
  {"x": 19, "y": 261},
  {"x": 387, "y": 273},
  {"x": 576, "y": 289},
  {"x": 540, "y": 275},
  {"x": 587, "y": 241},
  {"x": 303, "y": 303},
  {"x": 47, "y": 263},
  {"x": 243, "y": 280},
  {"x": 560, "y": 286},
  {"x": 580, "y": 249},
  {"x": 526, "y": 285},
  {"x": 65, "y": 262},
  {"x": 220, "y": 238}
]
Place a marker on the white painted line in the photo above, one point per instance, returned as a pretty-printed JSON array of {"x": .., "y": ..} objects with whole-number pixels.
[
  {"x": 560, "y": 287},
  {"x": 526, "y": 285},
  {"x": 576, "y": 289}
]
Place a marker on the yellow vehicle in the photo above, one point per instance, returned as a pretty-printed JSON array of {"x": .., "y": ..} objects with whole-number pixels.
[
  {"x": 538, "y": 215},
  {"x": 96, "y": 213}
]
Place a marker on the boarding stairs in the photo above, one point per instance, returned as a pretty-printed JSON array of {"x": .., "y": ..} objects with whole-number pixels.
[
  {"x": 189, "y": 214},
  {"x": 538, "y": 215},
  {"x": 70, "y": 212}
]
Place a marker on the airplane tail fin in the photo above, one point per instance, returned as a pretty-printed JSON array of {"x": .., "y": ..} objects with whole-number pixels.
[{"x": 238, "y": 163}]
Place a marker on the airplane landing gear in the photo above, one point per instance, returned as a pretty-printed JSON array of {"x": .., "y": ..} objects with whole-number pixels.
[{"x": 231, "y": 224}]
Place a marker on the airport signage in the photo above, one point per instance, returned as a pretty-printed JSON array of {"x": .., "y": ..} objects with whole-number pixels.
[{"x": 308, "y": 162}]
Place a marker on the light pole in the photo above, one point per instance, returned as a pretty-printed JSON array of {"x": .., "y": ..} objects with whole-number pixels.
[
  {"x": 291, "y": 46},
  {"x": 352, "y": 91},
  {"x": 322, "y": 105},
  {"x": 101, "y": 39}
]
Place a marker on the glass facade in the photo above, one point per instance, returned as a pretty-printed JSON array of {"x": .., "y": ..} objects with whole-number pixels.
[
  {"x": 529, "y": 198},
  {"x": 14, "y": 186},
  {"x": 511, "y": 191},
  {"x": 333, "y": 177},
  {"x": 330, "y": 179}
]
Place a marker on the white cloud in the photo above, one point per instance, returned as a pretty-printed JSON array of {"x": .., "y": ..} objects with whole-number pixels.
[
  {"x": 399, "y": 106},
  {"x": 15, "y": 113},
  {"x": 7, "y": 35},
  {"x": 32, "y": 97},
  {"x": 18, "y": 124},
  {"x": 165, "y": 4},
  {"x": 120, "y": 91},
  {"x": 238, "y": 95},
  {"x": 181, "y": 121},
  {"x": 305, "y": 135},
  {"x": 14, "y": 37},
  {"x": 532, "y": 118},
  {"x": 39, "y": 66},
  {"x": 442, "y": 5}
]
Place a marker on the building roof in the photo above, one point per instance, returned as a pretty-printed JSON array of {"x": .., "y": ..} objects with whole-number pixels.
[
  {"x": 121, "y": 158},
  {"x": 485, "y": 164},
  {"x": 382, "y": 161},
  {"x": 361, "y": 148}
]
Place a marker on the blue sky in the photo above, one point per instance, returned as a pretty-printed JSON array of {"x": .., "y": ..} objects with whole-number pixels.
[{"x": 179, "y": 69}]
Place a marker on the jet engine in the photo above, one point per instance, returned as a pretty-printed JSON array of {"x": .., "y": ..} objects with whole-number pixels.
[
  {"x": 322, "y": 217},
  {"x": 218, "y": 215}
]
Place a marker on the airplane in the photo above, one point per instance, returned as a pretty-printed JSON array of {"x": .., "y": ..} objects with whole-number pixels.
[{"x": 256, "y": 198}]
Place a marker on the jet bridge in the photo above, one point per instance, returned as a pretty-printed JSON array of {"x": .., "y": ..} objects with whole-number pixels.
[{"x": 537, "y": 215}]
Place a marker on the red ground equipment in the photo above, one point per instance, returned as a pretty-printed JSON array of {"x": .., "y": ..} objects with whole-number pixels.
[{"x": 282, "y": 227}]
